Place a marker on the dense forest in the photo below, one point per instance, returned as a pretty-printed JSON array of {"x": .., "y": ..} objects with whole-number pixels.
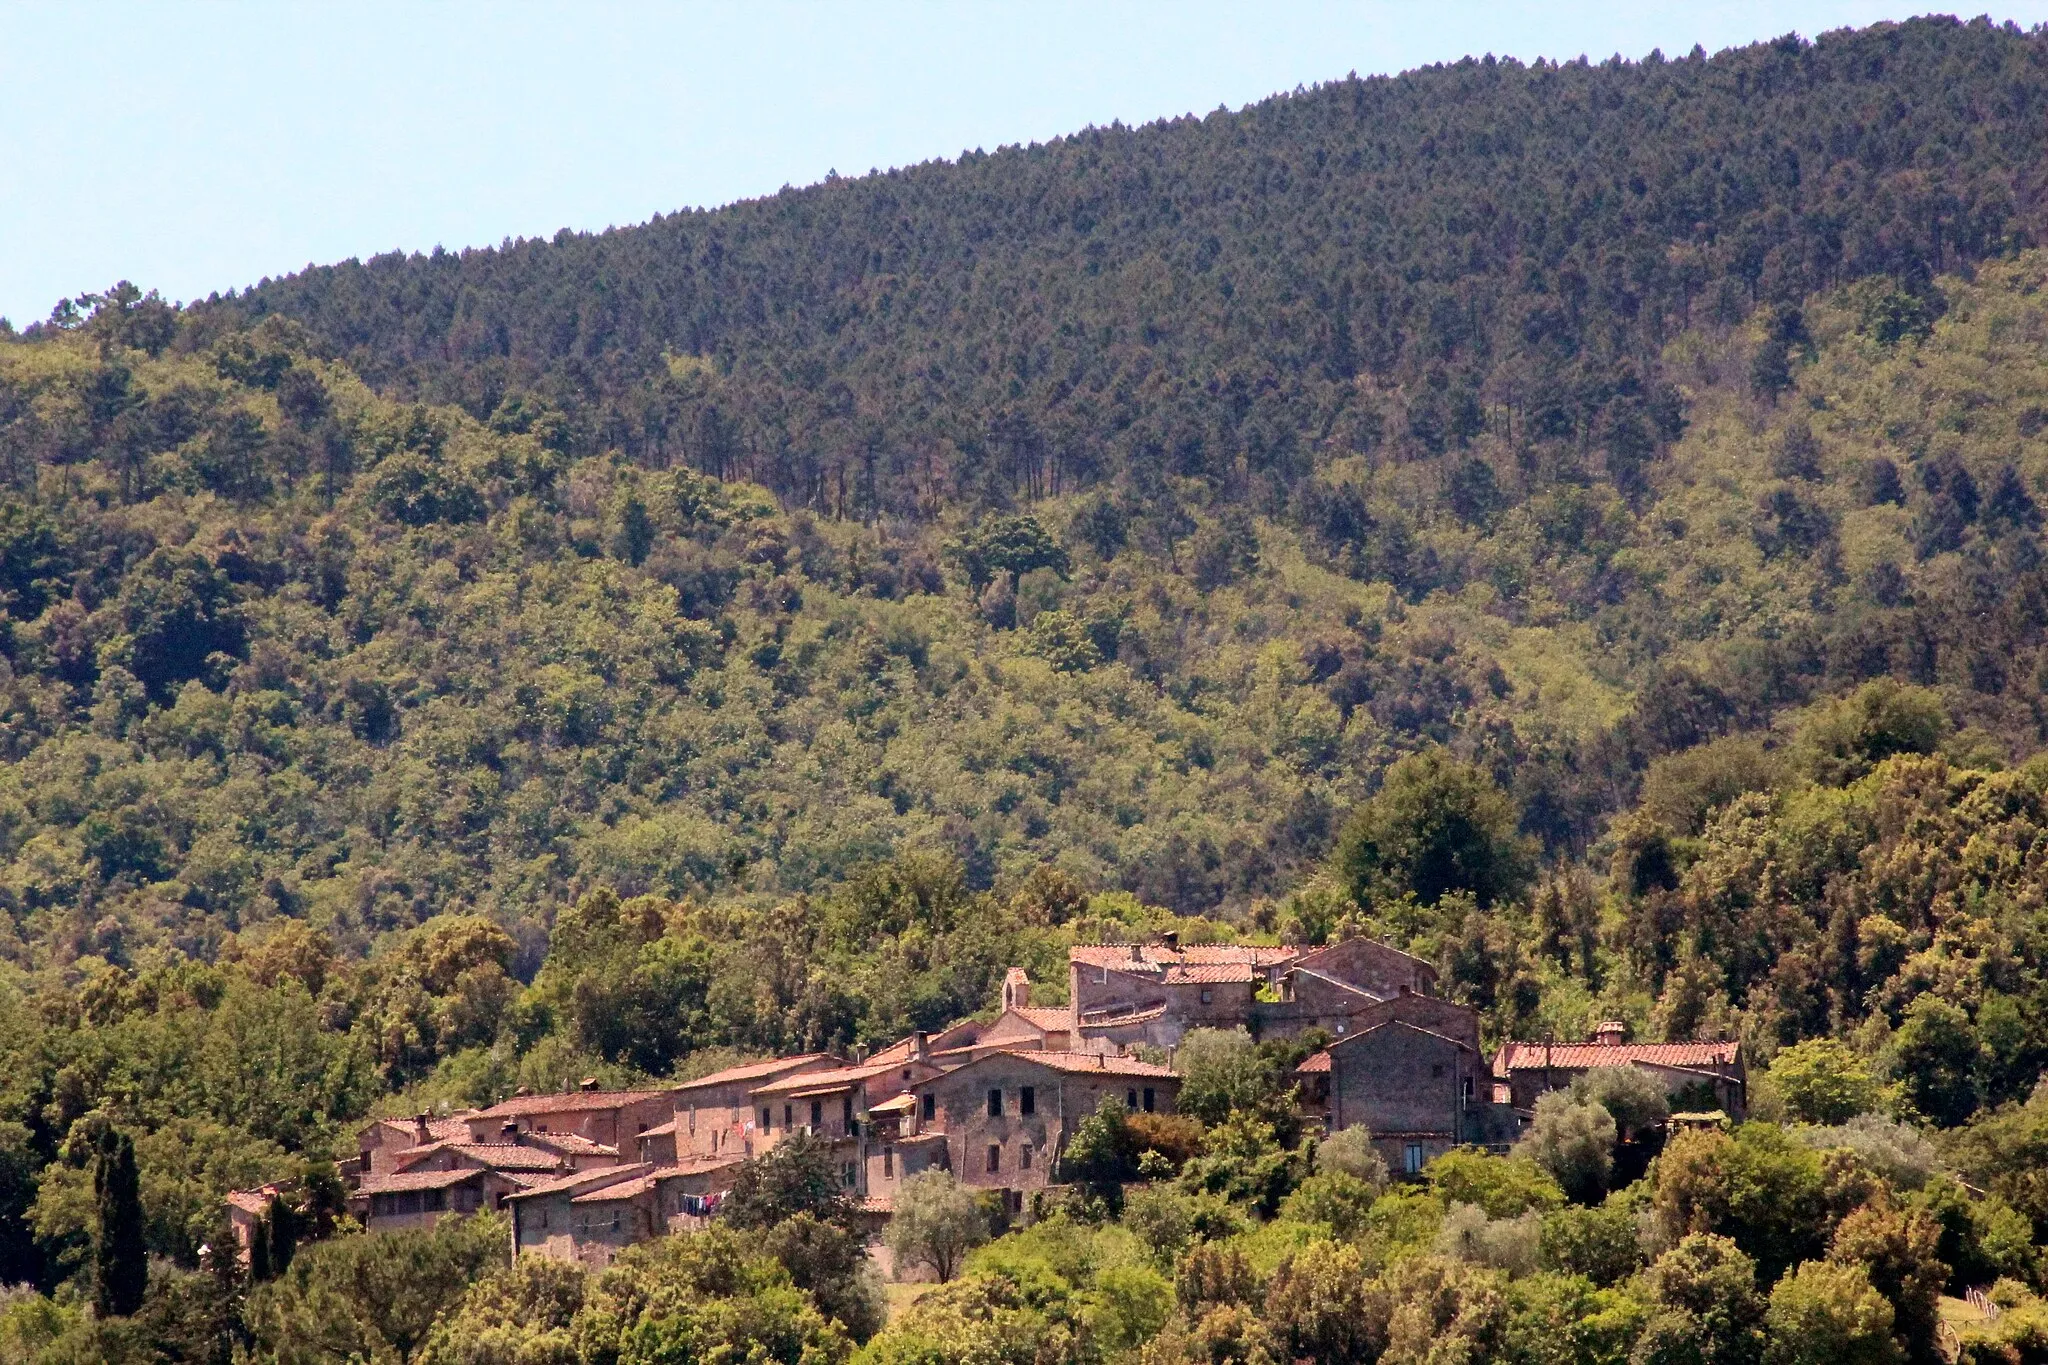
[{"x": 1581, "y": 523}]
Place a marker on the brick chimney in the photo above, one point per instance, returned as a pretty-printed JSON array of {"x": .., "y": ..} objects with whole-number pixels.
[
  {"x": 1610, "y": 1032},
  {"x": 1016, "y": 989}
]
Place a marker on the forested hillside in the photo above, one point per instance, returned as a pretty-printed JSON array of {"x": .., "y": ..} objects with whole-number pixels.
[{"x": 1580, "y": 523}]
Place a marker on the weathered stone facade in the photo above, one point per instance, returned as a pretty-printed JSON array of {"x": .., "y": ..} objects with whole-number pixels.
[
  {"x": 1419, "y": 1092},
  {"x": 1007, "y": 1116},
  {"x": 714, "y": 1115}
]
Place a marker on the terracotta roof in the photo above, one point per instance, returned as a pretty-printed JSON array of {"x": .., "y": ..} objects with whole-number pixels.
[
  {"x": 1319, "y": 1064},
  {"x": 569, "y": 1102},
  {"x": 1048, "y": 1019},
  {"x": 1587, "y": 1056},
  {"x": 453, "y": 1128},
  {"x": 906, "y": 1103},
  {"x": 569, "y": 1144},
  {"x": 774, "y": 1066},
  {"x": 509, "y": 1156},
  {"x": 1311, "y": 955},
  {"x": 1151, "y": 956},
  {"x": 1411, "y": 1026},
  {"x": 822, "y": 1081},
  {"x": 577, "y": 1180},
  {"x": 1079, "y": 1063},
  {"x": 416, "y": 1180},
  {"x": 695, "y": 1165},
  {"x": 1117, "y": 1016},
  {"x": 660, "y": 1129},
  {"x": 251, "y": 1201},
  {"x": 1205, "y": 973}
]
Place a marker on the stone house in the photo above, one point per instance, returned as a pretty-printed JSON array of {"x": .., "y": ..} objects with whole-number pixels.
[
  {"x": 1420, "y": 1092},
  {"x": 1712, "y": 1072},
  {"x": 896, "y": 1150},
  {"x": 590, "y": 1216},
  {"x": 379, "y": 1142},
  {"x": 247, "y": 1208},
  {"x": 1154, "y": 993},
  {"x": 714, "y": 1114},
  {"x": 835, "y": 1105},
  {"x": 508, "y": 1157},
  {"x": 613, "y": 1118},
  {"x": 419, "y": 1199},
  {"x": 1006, "y": 1117}
]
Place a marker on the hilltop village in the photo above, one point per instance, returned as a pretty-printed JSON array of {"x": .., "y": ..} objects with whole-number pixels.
[{"x": 587, "y": 1172}]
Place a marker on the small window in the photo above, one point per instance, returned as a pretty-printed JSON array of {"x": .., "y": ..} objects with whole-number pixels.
[
  {"x": 1208, "y": 996},
  {"x": 846, "y": 1111},
  {"x": 1150, "y": 1099},
  {"x": 693, "y": 1118},
  {"x": 1027, "y": 1101},
  {"x": 1131, "y": 1099},
  {"x": 995, "y": 1158},
  {"x": 817, "y": 1113},
  {"x": 849, "y": 1175},
  {"x": 931, "y": 1107},
  {"x": 765, "y": 1124},
  {"x": 995, "y": 1106},
  {"x": 1468, "y": 1087},
  {"x": 789, "y": 1116},
  {"x": 1411, "y": 1159},
  {"x": 1024, "y": 1158},
  {"x": 888, "y": 1163}
]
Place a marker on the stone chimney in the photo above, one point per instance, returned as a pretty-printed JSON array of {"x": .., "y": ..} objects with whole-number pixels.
[
  {"x": 920, "y": 1047},
  {"x": 421, "y": 1133},
  {"x": 1610, "y": 1032},
  {"x": 1016, "y": 989}
]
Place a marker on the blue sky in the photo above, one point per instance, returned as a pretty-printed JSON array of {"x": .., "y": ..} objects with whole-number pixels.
[{"x": 197, "y": 147}]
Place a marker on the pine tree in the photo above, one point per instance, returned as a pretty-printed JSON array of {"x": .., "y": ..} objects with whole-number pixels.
[{"x": 120, "y": 1258}]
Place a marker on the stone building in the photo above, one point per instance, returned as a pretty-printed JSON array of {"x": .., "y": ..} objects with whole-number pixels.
[
  {"x": 380, "y": 1141},
  {"x": 1420, "y": 1092},
  {"x": 1703, "y": 1075},
  {"x": 714, "y": 1114},
  {"x": 611, "y": 1117},
  {"x": 836, "y": 1105},
  {"x": 590, "y": 1216},
  {"x": 1006, "y": 1117},
  {"x": 1154, "y": 993},
  {"x": 420, "y": 1199}
]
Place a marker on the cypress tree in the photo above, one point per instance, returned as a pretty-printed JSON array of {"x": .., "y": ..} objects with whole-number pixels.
[
  {"x": 120, "y": 1260},
  {"x": 259, "y": 1252},
  {"x": 284, "y": 1234}
]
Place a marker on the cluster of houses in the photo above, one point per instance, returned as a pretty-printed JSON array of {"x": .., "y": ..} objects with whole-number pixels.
[{"x": 588, "y": 1171}]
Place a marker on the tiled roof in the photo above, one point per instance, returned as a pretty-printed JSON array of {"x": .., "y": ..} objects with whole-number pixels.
[
  {"x": 617, "y": 1190},
  {"x": 569, "y": 1144},
  {"x": 1050, "y": 1020},
  {"x": 579, "y": 1180},
  {"x": 415, "y": 1180},
  {"x": 1117, "y": 1016},
  {"x": 452, "y": 1128},
  {"x": 1319, "y": 1064},
  {"x": 660, "y": 1129},
  {"x": 252, "y": 1201},
  {"x": 508, "y": 1156},
  {"x": 1151, "y": 956},
  {"x": 569, "y": 1102},
  {"x": 1088, "y": 1063},
  {"x": 1218, "y": 972},
  {"x": 828, "y": 1080},
  {"x": 1586, "y": 1056},
  {"x": 774, "y": 1066},
  {"x": 695, "y": 1165}
]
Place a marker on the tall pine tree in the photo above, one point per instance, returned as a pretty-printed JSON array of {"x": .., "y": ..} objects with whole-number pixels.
[
  {"x": 120, "y": 1259},
  {"x": 284, "y": 1234}
]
